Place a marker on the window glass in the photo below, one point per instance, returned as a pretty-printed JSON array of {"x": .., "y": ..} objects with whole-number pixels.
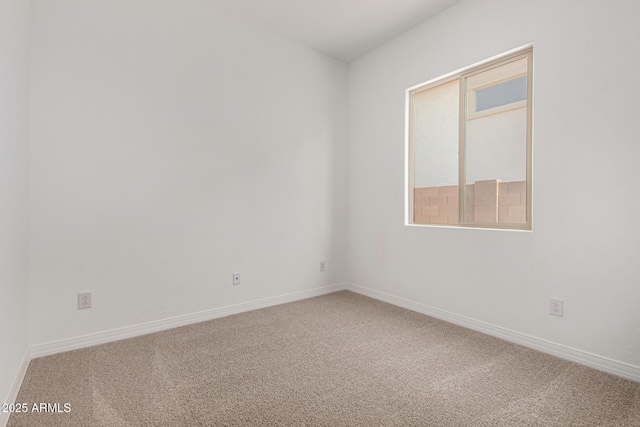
[
  {"x": 496, "y": 148},
  {"x": 436, "y": 114},
  {"x": 469, "y": 145},
  {"x": 513, "y": 90}
]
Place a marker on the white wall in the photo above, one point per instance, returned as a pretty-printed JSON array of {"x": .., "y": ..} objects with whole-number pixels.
[
  {"x": 13, "y": 190},
  {"x": 584, "y": 245},
  {"x": 171, "y": 146}
]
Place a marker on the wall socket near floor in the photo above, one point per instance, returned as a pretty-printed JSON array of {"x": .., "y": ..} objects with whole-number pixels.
[
  {"x": 236, "y": 278},
  {"x": 323, "y": 265},
  {"x": 84, "y": 300},
  {"x": 556, "y": 307}
]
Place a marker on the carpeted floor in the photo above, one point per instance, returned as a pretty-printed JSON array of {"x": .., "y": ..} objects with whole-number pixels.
[{"x": 337, "y": 360}]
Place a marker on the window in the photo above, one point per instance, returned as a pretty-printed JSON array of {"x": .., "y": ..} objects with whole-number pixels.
[{"x": 469, "y": 146}]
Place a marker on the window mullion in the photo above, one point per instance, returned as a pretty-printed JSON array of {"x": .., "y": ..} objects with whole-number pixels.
[{"x": 461, "y": 154}]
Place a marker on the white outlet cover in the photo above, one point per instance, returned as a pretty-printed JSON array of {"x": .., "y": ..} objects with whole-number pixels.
[
  {"x": 84, "y": 300},
  {"x": 236, "y": 278},
  {"x": 556, "y": 307}
]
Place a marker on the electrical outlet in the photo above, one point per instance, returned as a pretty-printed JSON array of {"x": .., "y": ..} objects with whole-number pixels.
[
  {"x": 84, "y": 300},
  {"x": 556, "y": 307},
  {"x": 236, "y": 278},
  {"x": 323, "y": 266}
]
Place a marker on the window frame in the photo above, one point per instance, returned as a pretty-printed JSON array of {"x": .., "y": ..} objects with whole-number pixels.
[{"x": 461, "y": 76}]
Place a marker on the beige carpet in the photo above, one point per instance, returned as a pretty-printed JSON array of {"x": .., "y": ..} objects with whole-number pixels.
[{"x": 336, "y": 360}]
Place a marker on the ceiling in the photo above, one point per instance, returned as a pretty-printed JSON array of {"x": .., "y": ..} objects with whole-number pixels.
[{"x": 343, "y": 29}]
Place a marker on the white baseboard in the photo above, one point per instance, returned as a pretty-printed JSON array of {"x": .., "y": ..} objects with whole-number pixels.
[
  {"x": 17, "y": 383},
  {"x": 581, "y": 357},
  {"x": 174, "y": 322}
]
